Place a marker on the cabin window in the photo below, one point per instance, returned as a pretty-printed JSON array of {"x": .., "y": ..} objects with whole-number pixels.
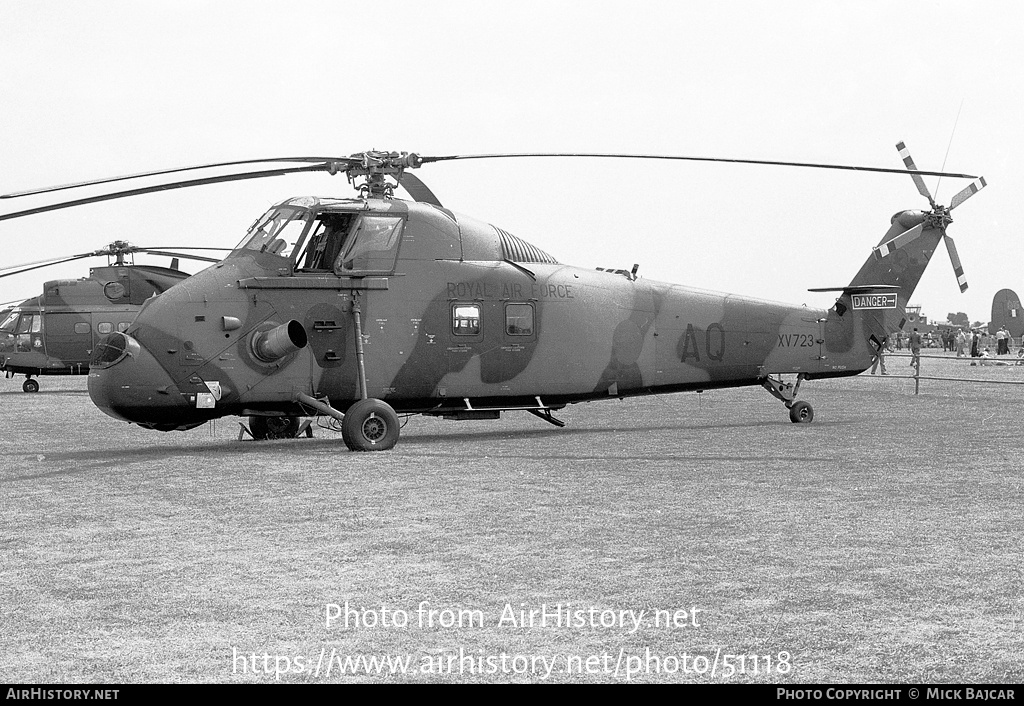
[
  {"x": 123, "y": 326},
  {"x": 82, "y": 327},
  {"x": 374, "y": 244},
  {"x": 104, "y": 327},
  {"x": 329, "y": 234},
  {"x": 519, "y": 319},
  {"x": 466, "y": 319},
  {"x": 278, "y": 232}
]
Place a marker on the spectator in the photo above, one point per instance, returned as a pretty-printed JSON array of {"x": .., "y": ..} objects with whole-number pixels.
[
  {"x": 880, "y": 358},
  {"x": 915, "y": 350},
  {"x": 961, "y": 343}
]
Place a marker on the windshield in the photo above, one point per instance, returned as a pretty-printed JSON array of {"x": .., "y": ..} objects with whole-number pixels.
[
  {"x": 8, "y": 325},
  {"x": 277, "y": 232}
]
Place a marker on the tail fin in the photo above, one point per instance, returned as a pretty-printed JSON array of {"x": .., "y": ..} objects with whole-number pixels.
[
  {"x": 1007, "y": 312},
  {"x": 896, "y": 264}
]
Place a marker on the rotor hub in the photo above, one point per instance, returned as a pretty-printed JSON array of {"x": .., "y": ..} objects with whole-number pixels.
[{"x": 376, "y": 167}]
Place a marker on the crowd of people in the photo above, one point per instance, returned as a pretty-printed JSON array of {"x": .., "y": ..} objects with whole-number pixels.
[{"x": 969, "y": 343}]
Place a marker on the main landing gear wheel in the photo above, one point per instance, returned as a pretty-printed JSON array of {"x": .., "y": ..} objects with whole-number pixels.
[
  {"x": 801, "y": 413},
  {"x": 273, "y": 427},
  {"x": 370, "y": 425},
  {"x": 30, "y": 385}
]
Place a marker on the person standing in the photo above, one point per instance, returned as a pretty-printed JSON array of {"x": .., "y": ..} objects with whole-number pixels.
[
  {"x": 915, "y": 350},
  {"x": 961, "y": 343},
  {"x": 975, "y": 346},
  {"x": 880, "y": 358}
]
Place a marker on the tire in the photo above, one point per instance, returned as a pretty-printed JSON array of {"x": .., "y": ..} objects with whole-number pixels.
[
  {"x": 370, "y": 425},
  {"x": 30, "y": 385},
  {"x": 280, "y": 427},
  {"x": 801, "y": 413}
]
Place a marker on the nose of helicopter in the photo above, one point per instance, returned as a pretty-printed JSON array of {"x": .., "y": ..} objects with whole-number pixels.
[{"x": 128, "y": 383}]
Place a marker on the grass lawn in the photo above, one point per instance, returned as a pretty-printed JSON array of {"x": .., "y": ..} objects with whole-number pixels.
[{"x": 880, "y": 543}]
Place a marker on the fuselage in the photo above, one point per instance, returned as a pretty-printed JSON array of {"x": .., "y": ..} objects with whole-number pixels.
[{"x": 455, "y": 314}]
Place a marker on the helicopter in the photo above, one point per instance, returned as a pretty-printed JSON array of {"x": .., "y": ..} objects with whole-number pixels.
[
  {"x": 360, "y": 309},
  {"x": 55, "y": 333}
]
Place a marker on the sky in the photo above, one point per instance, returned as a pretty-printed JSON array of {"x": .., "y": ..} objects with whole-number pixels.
[{"x": 96, "y": 89}]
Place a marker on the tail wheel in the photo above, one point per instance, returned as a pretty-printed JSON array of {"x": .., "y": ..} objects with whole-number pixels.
[
  {"x": 30, "y": 385},
  {"x": 801, "y": 413},
  {"x": 370, "y": 425},
  {"x": 280, "y": 427}
]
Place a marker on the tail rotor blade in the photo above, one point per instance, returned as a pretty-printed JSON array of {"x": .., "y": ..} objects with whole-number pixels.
[
  {"x": 970, "y": 190},
  {"x": 908, "y": 161},
  {"x": 958, "y": 270},
  {"x": 907, "y": 236}
]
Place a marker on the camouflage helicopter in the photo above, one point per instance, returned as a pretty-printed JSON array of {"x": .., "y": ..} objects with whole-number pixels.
[
  {"x": 363, "y": 308},
  {"x": 56, "y": 332}
]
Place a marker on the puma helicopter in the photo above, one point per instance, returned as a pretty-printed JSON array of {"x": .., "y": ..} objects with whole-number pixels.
[
  {"x": 361, "y": 309},
  {"x": 56, "y": 332}
]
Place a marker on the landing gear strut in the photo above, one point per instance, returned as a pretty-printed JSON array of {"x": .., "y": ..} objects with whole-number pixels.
[{"x": 799, "y": 412}]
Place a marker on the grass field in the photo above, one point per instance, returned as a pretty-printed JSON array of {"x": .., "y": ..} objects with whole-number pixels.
[{"x": 880, "y": 543}]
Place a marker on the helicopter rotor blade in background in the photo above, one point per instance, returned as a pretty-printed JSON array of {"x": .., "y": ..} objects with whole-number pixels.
[
  {"x": 158, "y": 172},
  {"x": 166, "y": 253},
  {"x": 179, "y": 247},
  {"x": 44, "y": 263},
  {"x": 954, "y": 258},
  {"x": 915, "y": 172},
  {"x": 112, "y": 250},
  {"x": 166, "y": 187},
  {"x": 54, "y": 262}
]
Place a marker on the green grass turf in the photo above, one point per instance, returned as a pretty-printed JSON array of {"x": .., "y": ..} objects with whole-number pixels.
[{"x": 882, "y": 542}]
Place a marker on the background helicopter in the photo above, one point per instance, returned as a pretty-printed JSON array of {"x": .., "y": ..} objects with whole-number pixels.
[
  {"x": 55, "y": 333},
  {"x": 358, "y": 308}
]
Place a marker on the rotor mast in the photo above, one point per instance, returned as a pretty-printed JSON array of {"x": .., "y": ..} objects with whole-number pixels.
[{"x": 374, "y": 167}]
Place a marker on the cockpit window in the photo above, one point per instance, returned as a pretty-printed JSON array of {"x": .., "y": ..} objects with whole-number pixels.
[
  {"x": 30, "y": 323},
  {"x": 8, "y": 325},
  {"x": 326, "y": 240},
  {"x": 374, "y": 245},
  {"x": 277, "y": 232}
]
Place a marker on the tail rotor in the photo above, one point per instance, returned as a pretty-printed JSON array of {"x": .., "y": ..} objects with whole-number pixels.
[{"x": 938, "y": 217}]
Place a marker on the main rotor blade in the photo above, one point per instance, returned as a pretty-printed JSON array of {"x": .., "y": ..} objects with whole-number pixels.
[
  {"x": 418, "y": 190},
  {"x": 909, "y": 162},
  {"x": 93, "y": 182},
  {"x": 47, "y": 261},
  {"x": 166, "y": 187},
  {"x": 424, "y": 160},
  {"x": 954, "y": 258},
  {"x": 55, "y": 262},
  {"x": 971, "y": 189},
  {"x": 167, "y": 253},
  {"x": 890, "y": 246},
  {"x": 181, "y": 247}
]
